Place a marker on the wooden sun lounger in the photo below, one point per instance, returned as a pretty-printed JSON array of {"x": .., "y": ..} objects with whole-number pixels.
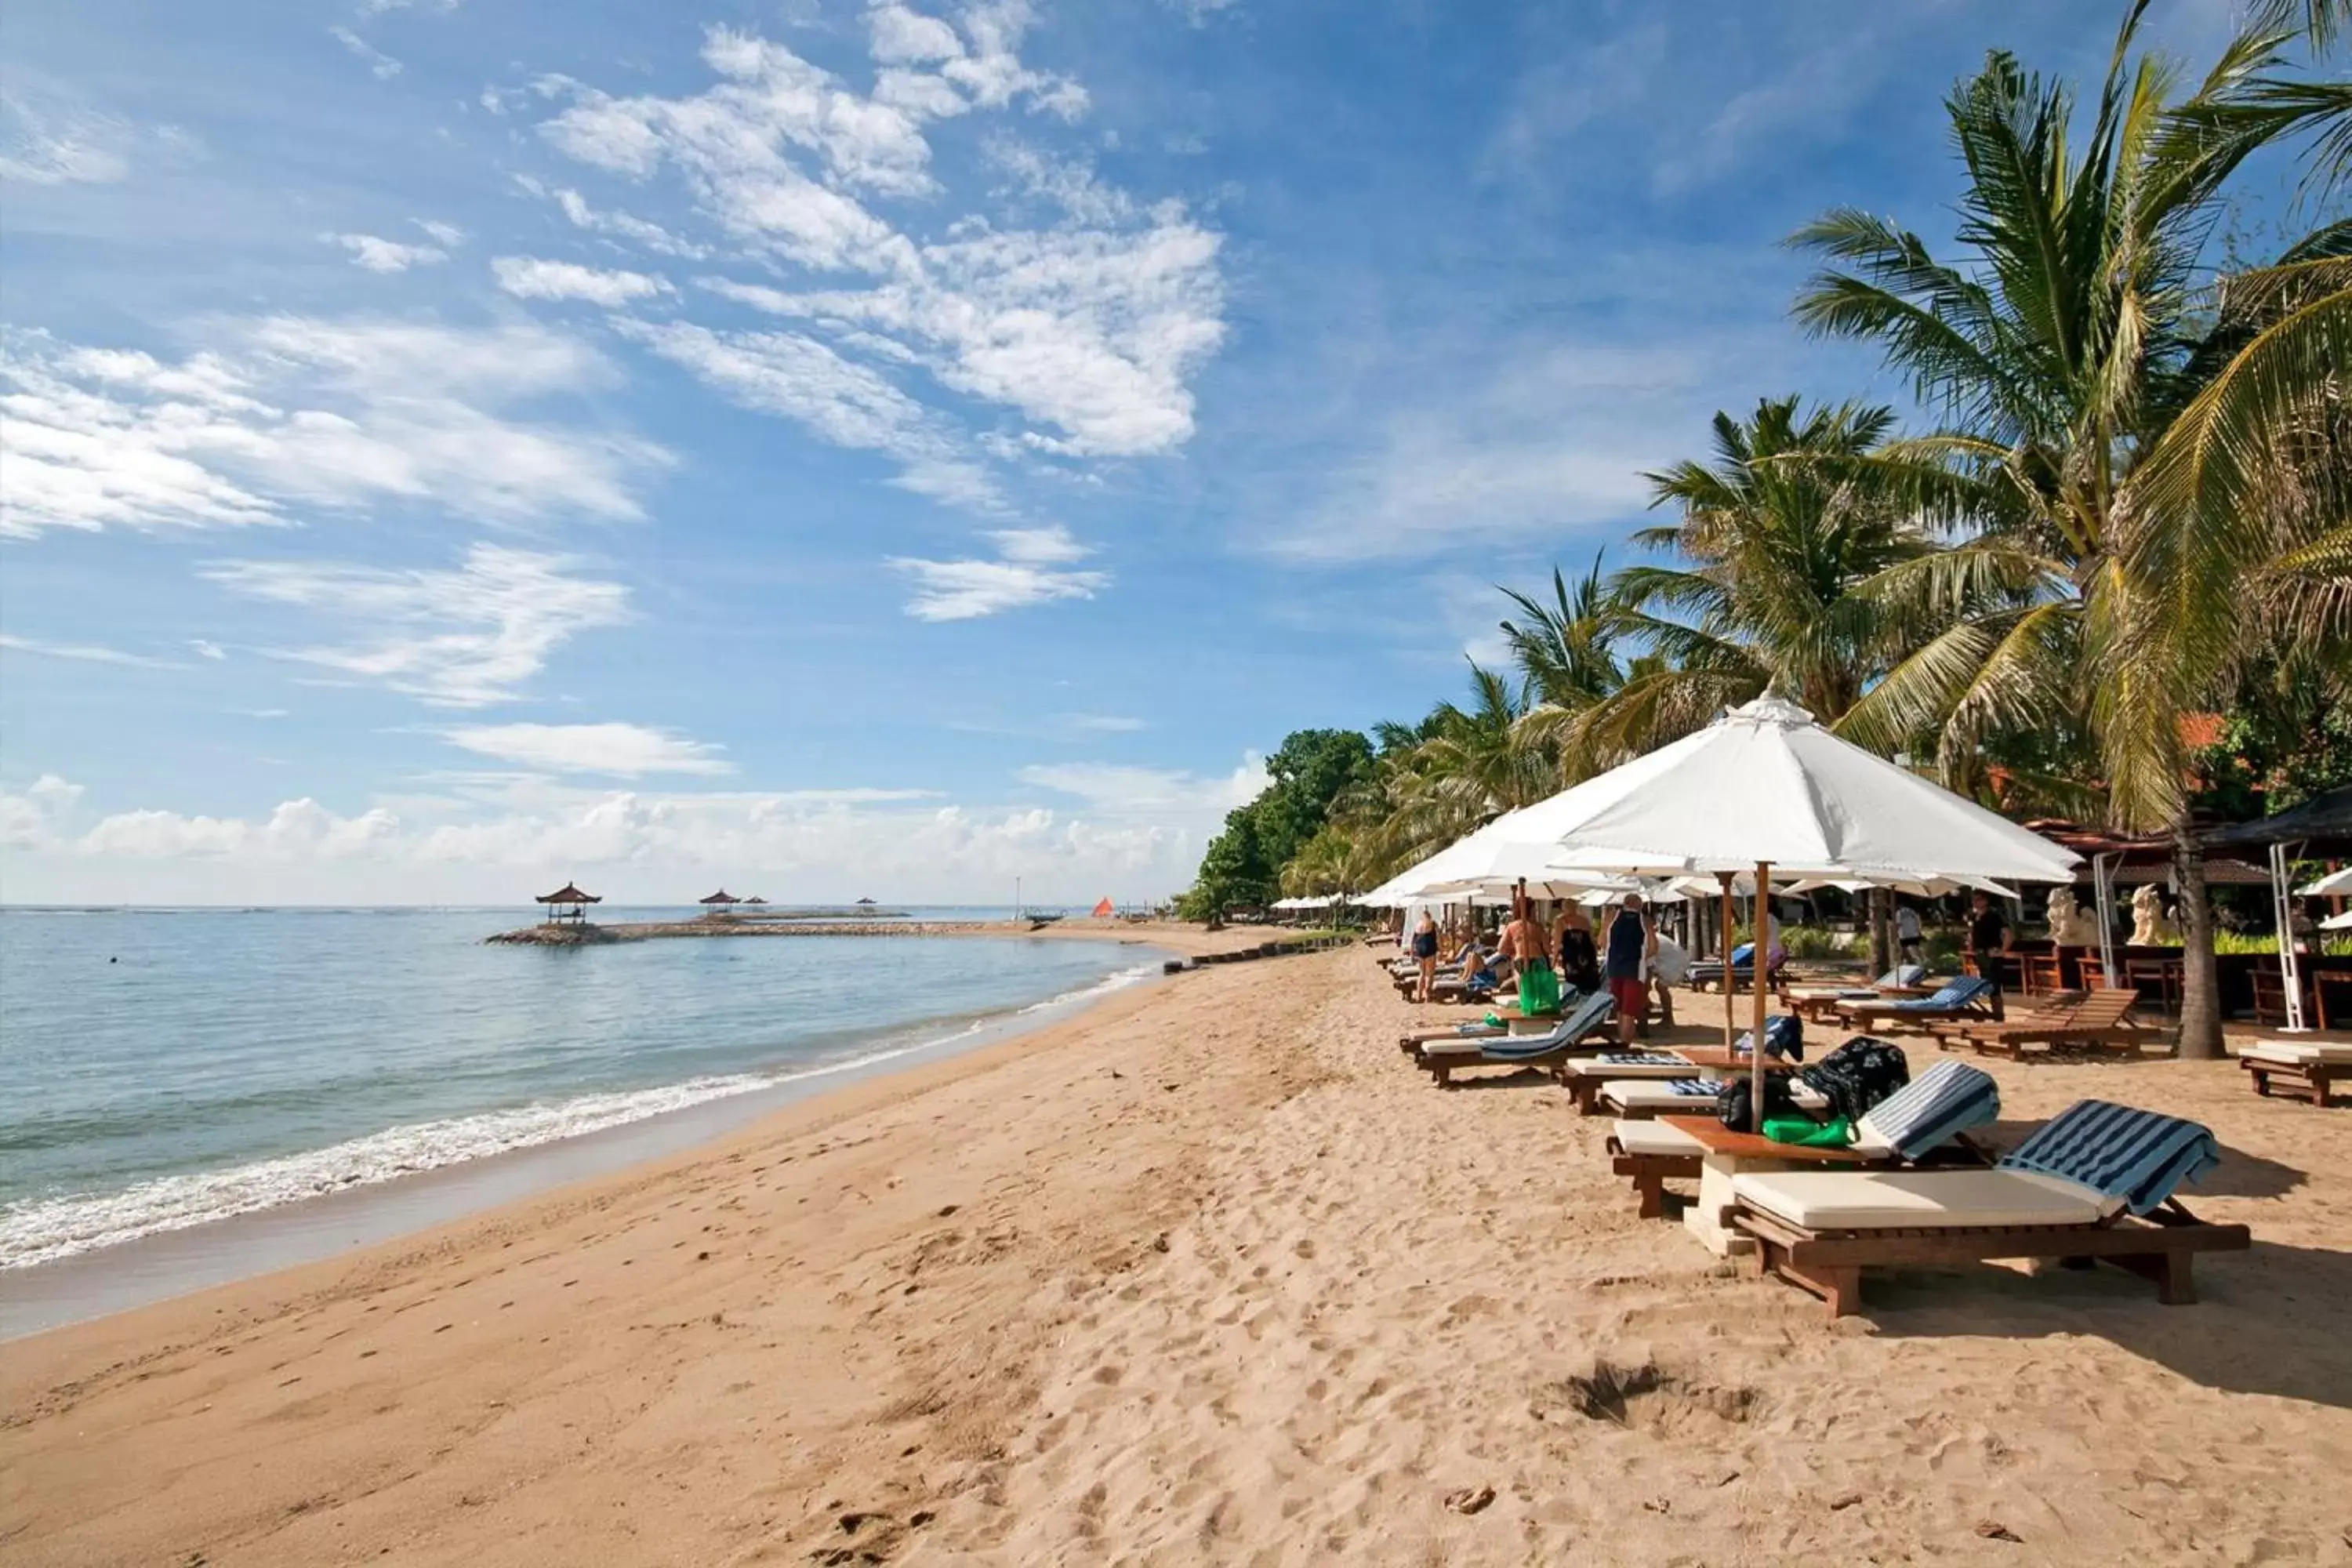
[
  {"x": 1649, "y": 1172},
  {"x": 1881, "y": 1012},
  {"x": 2295, "y": 1069},
  {"x": 1410, "y": 1044},
  {"x": 1828, "y": 1263},
  {"x": 2101, "y": 1019},
  {"x": 1442, "y": 1058}
]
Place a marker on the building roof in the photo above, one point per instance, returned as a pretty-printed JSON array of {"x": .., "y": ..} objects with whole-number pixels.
[
  {"x": 569, "y": 893},
  {"x": 721, "y": 897},
  {"x": 2323, "y": 824}
]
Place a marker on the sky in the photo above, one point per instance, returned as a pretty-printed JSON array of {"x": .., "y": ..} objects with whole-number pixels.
[{"x": 828, "y": 448}]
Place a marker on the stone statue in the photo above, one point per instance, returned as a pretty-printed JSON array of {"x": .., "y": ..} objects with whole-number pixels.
[
  {"x": 2149, "y": 927},
  {"x": 2069, "y": 925}
]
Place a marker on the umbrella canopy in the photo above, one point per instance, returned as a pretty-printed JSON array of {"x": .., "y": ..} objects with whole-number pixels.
[
  {"x": 2336, "y": 884},
  {"x": 2337, "y": 923},
  {"x": 1103, "y": 911},
  {"x": 1766, "y": 785}
]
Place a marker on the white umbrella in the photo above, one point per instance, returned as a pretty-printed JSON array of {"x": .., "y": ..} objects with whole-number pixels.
[
  {"x": 1766, "y": 787},
  {"x": 2337, "y": 923},
  {"x": 2336, "y": 884}
]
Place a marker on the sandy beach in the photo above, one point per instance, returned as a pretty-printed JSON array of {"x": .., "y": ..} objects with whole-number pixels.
[{"x": 1206, "y": 1274}]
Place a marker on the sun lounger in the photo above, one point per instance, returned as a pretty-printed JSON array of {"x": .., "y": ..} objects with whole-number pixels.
[
  {"x": 1584, "y": 1077},
  {"x": 2096, "y": 1182},
  {"x": 1467, "y": 1029},
  {"x": 1924, "y": 1119},
  {"x": 1635, "y": 1099},
  {"x": 1443, "y": 1058},
  {"x": 1819, "y": 1002},
  {"x": 2297, "y": 1069},
  {"x": 2100, "y": 1019},
  {"x": 1708, "y": 971},
  {"x": 1967, "y": 996}
]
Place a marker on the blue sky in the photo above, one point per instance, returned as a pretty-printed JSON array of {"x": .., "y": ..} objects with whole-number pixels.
[{"x": 837, "y": 448}]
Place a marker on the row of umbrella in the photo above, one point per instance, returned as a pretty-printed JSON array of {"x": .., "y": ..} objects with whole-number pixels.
[{"x": 1764, "y": 791}]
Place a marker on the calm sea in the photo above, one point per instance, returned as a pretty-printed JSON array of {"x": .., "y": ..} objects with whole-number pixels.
[{"x": 168, "y": 1069}]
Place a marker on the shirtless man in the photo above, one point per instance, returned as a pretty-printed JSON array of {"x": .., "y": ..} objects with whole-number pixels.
[{"x": 1529, "y": 948}]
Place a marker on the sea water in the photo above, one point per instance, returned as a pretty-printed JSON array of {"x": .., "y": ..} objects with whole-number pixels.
[{"x": 169, "y": 1069}]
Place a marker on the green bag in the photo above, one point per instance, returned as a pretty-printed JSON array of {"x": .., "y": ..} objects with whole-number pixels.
[
  {"x": 1539, "y": 990},
  {"x": 1806, "y": 1132}
]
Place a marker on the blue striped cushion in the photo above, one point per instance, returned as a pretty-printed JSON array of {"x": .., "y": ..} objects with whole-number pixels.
[
  {"x": 1958, "y": 992},
  {"x": 1588, "y": 1015},
  {"x": 1693, "y": 1087},
  {"x": 1946, "y": 1100},
  {"x": 2135, "y": 1155}
]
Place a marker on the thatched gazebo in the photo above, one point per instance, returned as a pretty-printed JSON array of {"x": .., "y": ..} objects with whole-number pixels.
[
  {"x": 567, "y": 905},
  {"x": 755, "y": 899},
  {"x": 718, "y": 903}
]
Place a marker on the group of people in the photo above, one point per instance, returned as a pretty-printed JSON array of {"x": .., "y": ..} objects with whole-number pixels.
[{"x": 1630, "y": 954}]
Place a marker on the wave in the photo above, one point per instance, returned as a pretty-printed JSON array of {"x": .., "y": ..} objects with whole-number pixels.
[{"x": 45, "y": 1230}]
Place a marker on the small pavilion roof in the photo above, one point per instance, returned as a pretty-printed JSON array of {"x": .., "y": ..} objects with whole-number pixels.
[
  {"x": 2322, "y": 825},
  {"x": 569, "y": 893},
  {"x": 721, "y": 897}
]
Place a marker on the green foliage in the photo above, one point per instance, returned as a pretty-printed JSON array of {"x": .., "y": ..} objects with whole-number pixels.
[{"x": 1243, "y": 865}]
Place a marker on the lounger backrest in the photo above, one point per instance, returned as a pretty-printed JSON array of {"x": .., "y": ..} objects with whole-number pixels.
[
  {"x": 1574, "y": 1024},
  {"x": 1946, "y": 1100},
  {"x": 2136, "y": 1156},
  {"x": 2104, "y": 1009},
  {"x": 1902, "y": 974},
  {"x": 1957, "y": 991}
]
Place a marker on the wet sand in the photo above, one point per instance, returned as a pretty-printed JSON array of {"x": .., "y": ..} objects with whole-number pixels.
[{"x": 1206, "y": 1275}]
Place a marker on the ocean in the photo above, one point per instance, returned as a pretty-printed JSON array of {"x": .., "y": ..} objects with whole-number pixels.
[{"x": 169, "y": 1069}]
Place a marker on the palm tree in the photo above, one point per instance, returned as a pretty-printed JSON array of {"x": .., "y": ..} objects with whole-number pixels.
[
  {"x": 2078, "y": 334},
  {"x": 1776, "y": 542}
]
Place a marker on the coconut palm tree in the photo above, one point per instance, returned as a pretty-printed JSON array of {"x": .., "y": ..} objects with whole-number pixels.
[
  {"x": 2078, "y": 332},
  {"x": 1774, "y": 541}
]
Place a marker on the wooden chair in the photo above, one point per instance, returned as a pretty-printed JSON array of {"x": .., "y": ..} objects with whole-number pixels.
[
  {"x": 2159, "y": 976},
  {"x": 2044, "y": 975},
  {"x": 2269, "y": 995}
]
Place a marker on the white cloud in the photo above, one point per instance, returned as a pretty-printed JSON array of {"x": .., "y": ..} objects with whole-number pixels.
[
  {"x": 291, "y": 411},
  {"x": 619, "y": 224},
  {"x": 531, "y": 277},
  {"x": 379, "y": 255},
  {"x": 626, "y": 751},
  {"x": 1089, "y": 328},
  {"x": 500, "y": 839},
  {"x": 87, "y": 652},
  {"x": 463, "y": 637},
  {"x": 448, "y": 234},
  {"x": 48, "y": 143},
  {"x": 1033, "y": 567},
  {"x": 206, "y": 648},
  {"x": 1105, "y": 723},
  {"x": 845, "y": 403},
  {"x": 381, "y": 66}
]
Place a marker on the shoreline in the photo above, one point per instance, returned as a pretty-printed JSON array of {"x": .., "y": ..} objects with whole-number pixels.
[
  {"x": 173, "y": 1262},
  {"x": 1205, "y": 1274}
]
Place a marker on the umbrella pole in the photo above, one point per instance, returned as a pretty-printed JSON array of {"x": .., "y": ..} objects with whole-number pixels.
[
  {"x": 1763, "y": 962},
  {"x": 1730, "y": 1013}
]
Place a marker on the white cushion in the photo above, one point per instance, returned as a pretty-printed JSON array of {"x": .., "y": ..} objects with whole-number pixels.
[
  {"x": 1634, "y": 1093},
  {"x": 1605, "y": 1071},
  {"x": 1631, "y": 1094},
  {"x": 2298, "y": 1053},
  {"x": 1654, "y": 1138},
  {"x": 1878, "y": 1200}
]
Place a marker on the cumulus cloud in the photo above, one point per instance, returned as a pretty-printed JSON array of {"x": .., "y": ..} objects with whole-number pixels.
[
  {"x": 626, "y": 751},
  {"x": 289, "y": 411},
  {"x": 846, "y": 402},
  {"x": 466, "y": 637},
  {"x": 1087, "y": 329},
  {"x": 377, "y": 254},
  {"x": 1032, "y": 566},
  {"x": 616, "y": 224},
  {"x": 531, "y": 277},
  {"x": 500, "y": 839}
]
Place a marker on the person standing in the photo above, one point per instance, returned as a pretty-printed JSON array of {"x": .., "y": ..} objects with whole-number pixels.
[
  {"x": 1523, "y": 942},
  {"x": 1425, "y": 953},
  {"x": 1580, "y": 960},
  {"x": 1989, "y": 942},
  {"x": 1629, "y": 944},
  {"x": 1910, "y": 941}
]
